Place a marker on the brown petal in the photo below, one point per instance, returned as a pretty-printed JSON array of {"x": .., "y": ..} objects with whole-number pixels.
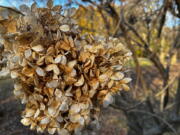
[{"x": 28, "y": 71}]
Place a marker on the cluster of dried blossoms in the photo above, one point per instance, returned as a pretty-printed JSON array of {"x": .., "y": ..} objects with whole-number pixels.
[{"x": 62, "y": 77}]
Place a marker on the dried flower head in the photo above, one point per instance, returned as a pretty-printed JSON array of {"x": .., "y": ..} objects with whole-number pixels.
[{"x": 62, "y": 77}]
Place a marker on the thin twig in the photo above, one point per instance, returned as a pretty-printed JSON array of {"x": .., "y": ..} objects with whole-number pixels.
[
  {"x": 154, "y": 115},
  {"x": 168, "y": 85}
]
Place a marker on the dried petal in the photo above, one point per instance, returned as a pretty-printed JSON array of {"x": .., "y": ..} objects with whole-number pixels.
[
  {"x": 58, "y": 93},
  {"x": 63, "y": 132},
  {"x": 59, "y": 118},
  {"x": 80, "y": 82},
  {"x": 45, "y": 120},
  {"x": 126, "y": 80},
  {"x": 52, "y": 130},
  {"x": 71, "y": 64},
  {"x": 63, "y": 60},
  {"x": 40, "y": 71},
  {"x": 75, "y": 108},
  {"x": 52, "y": 111},
  {"x": 26, "y": 121},
  {"x": 117, "y": 76},
  {"x": 28, "y": 53},
  {"x": 58, "y": 59},
  {"x": 52, "y": 84},
  {"x": 14, "y": 74},
  {"x": 54, "y": 68},
  {"x": 17, "y": 86},
  {"x": 64, "y": 107},
  {"x": 64, "y": 28},
  {"x": 108, "y": 100},
  {"x": 117, "y": 67},
  {"x": 37, "y": 113},
  {"x": 29, "y": 112},
  {"x": 38, "y": 48}
]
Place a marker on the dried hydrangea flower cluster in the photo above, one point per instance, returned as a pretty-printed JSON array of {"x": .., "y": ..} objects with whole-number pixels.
[{"x": 62, "y": 77}]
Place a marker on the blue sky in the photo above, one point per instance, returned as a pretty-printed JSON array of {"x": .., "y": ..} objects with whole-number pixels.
[{"x": 17, "y": 3}]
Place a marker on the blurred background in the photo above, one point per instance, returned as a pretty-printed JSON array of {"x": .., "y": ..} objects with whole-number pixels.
[{"x": 151, "y": 30}]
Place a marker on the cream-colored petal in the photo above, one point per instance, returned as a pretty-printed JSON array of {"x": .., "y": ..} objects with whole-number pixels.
[
  {"x": 26, "y": 121},
  {"x": 80, "y": 82},
  {"x": 64, "y": 28},
  {"x": 52, "y": 84},
  {"x": 27, "y": 53},
  {"x": 38, "y": 48},
  {"x": 63, "y": 132},
  {"x": 108, "y": 100},
  {"x": 117, "y": 76},
  {"x": 45, "y": 120},
  {"x": 40, "y": 71}
]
